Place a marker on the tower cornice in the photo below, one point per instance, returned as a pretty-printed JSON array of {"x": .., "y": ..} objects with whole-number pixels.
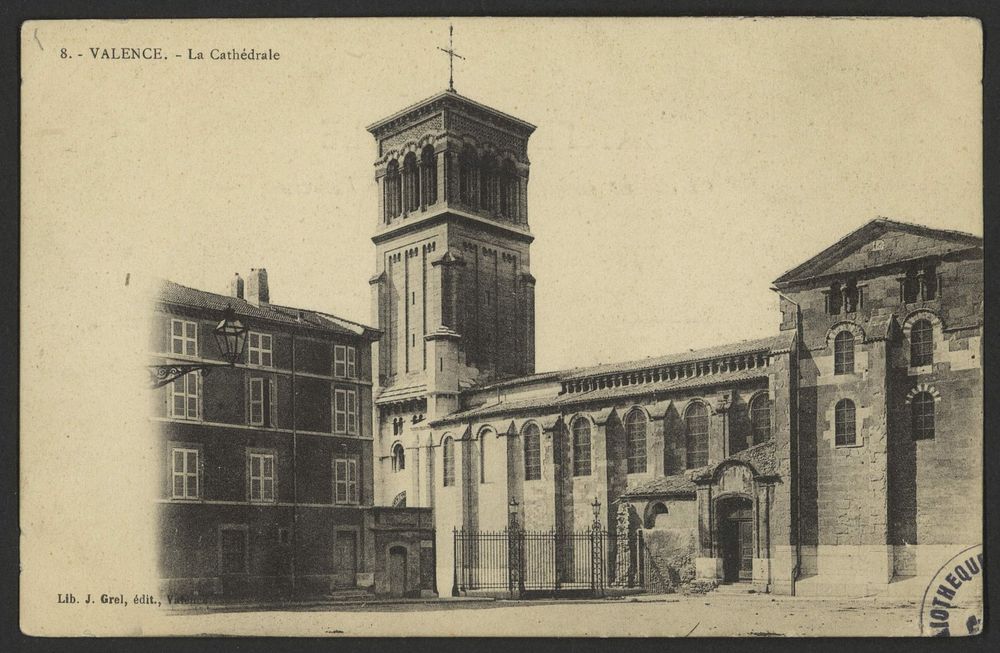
[
  {"x": 454, "y": 101},
  {"x": 453, "y": 216}
]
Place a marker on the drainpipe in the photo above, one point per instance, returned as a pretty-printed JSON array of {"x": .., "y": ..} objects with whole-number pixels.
[{"x": 798, "y": 440}]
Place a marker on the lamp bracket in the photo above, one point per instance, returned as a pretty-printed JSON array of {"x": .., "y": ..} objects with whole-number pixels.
[{"x": 161, "y": 375}]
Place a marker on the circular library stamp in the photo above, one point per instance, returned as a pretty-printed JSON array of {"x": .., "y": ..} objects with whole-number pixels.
[{"x": 953, "y": 601}]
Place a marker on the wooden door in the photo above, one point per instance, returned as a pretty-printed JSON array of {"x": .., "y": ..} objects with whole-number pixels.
[
  {"x": 746, "y": 549},
  {"x": 397, "y": 571},
  {"x": 232, "y": 551},
  {"x": 345, "y": 559}
]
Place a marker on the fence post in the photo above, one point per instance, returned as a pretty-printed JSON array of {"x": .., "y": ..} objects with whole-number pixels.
[
  {"x": 514, "y": 579},
  {"x": 597, "y": 558},
  {"x": 640, "y": 559},
  {"x": 454, "y": 562}
]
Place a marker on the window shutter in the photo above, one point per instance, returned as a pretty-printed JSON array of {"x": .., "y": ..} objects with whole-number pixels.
[
  {"x": 199, "y": 408},
  {"x": 272, "y": 407}
]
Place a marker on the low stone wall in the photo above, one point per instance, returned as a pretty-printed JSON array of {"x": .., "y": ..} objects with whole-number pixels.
[{"x": 670, "y": 558}]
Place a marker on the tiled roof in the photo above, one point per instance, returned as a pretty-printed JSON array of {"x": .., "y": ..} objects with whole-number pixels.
[
  {"x": 664, "y": 386},
  {"x": 178, "y": 295},
  {"x": 782, "y": 342},
  {"x": 560, "y": 402},
  {"x": 392, "y": 394},
  {"x": 678, "y": 485},
  {"x": 519, "y": 380},
  {"x": 760, "y": 456},
  {"x": 502, "y": 408},
  {"x": 878, "y": 326}
]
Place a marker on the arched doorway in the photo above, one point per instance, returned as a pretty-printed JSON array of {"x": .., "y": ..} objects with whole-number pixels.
[
  {"x": 397, "y": 571},
  {"x": 735, "y": 538}
]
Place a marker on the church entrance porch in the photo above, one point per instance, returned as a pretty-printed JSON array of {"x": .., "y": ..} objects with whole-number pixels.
[
  {"x": 735, "y": 516},
  {"x": 736, "y": 539}
]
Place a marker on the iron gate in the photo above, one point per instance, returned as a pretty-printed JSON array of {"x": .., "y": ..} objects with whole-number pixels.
[{"x": 519, "y": 562}]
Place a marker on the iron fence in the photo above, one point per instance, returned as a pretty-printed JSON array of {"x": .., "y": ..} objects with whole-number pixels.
[{"x": 518, "y": 561}]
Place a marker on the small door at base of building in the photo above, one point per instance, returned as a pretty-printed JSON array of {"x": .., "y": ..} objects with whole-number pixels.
[
  {"x": 397, "y": 571},
  {"x": 345, "y": 559}
]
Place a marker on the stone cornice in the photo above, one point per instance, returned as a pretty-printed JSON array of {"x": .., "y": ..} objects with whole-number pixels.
[{"x": 449, "y": 100}]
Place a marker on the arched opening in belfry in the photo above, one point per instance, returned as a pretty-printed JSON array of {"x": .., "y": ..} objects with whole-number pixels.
[
  {"x": 411, "y": 183},
  {"x": 468, "y": 178},
  {"x": 392, "y": 202},
  {"x": 428, "y": 176}
]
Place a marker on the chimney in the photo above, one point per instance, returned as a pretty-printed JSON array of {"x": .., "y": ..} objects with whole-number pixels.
[
  {"x": 236, "y": 286},
  {"x": 257, "y": 292}
]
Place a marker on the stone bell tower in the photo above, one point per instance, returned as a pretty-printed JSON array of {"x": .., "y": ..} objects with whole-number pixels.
[{"x": 452, "y": 293}]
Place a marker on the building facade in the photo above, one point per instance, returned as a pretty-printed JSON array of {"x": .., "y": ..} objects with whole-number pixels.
[
  {"x": 835, "y": 456},
  {"x": 266, "y": 483}
]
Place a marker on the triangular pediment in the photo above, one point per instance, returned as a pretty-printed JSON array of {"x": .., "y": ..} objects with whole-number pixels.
[{"x": 879, "y": 243}]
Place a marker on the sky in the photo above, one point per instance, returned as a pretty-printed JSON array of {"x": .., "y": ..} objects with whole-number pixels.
[{"x": 679, "y": 165}]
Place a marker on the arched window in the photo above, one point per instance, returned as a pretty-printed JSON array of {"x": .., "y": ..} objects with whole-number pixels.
[
  {"x": 581, "y": 447},
  {"x": 411, "y": 183},
  {"x": 448, "y": 461},
  {"x": 398, "y": 458},
  {"x": 468, "y": 178},
  {"x": 392, "y": 200},
  {"x": 653, "y": 511},
  {"x": 845, "y": 424},
  {"x": 922, "y": 416},
  {"x": 760, "y": 418},
  {"x": 921, "y": 343},
  {"x": 696, "y": 435},
  {"x": 428, "y": 176},
  {"x": 843, "y": 353},
  {"x": 482, "y": 454},
  {"x": 532, "y": 453},
  {"x": 635, "y": 441}
]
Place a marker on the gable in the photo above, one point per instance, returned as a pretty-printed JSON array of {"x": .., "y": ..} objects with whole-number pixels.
[{"x": 879, "y": 243}]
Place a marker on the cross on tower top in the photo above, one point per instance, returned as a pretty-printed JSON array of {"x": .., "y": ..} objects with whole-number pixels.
[{"x": 451, "y": 59}]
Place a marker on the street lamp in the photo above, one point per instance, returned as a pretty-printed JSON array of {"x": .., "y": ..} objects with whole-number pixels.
[
  {"x": 230, "y": 336},
  {"x": 596, "y": 505}
]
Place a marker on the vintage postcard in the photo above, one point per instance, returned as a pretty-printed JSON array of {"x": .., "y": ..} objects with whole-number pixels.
[{"x": 517, "y": 327}]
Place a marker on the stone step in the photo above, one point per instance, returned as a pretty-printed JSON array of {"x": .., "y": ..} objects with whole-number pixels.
[
  {"x": 348, "y": 595},
  {"x": 736, "y": 588}
]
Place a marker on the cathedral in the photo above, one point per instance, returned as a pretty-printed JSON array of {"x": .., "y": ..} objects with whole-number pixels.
[{"x": 838, "y": 456}]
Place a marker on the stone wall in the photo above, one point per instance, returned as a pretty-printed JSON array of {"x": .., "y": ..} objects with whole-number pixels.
[{"x": 878, "y": 504}]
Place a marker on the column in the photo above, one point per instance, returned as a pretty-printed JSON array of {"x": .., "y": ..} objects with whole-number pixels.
[{"x": 708, "y": 566}]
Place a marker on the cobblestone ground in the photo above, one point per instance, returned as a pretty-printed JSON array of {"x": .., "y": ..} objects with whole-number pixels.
[{"x": 667, "y": 616}]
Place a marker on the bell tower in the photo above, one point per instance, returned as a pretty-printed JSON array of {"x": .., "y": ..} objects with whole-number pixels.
[{"x": 453, "y": 292}]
